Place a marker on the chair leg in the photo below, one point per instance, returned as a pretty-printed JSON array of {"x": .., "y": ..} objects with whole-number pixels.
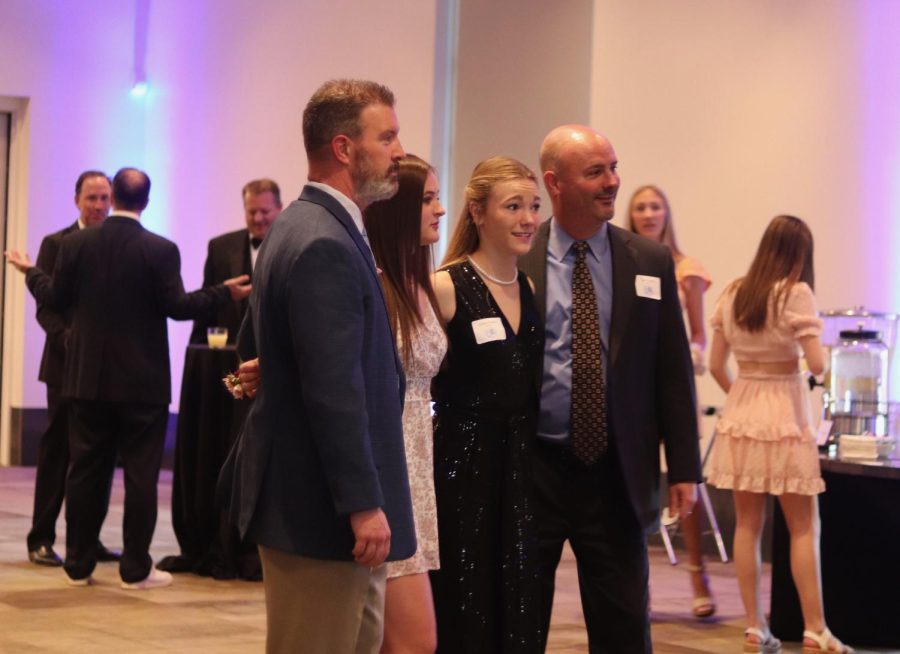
[
  {"x": 713, "y": 523},
  {"x": 667, "y": 541}
]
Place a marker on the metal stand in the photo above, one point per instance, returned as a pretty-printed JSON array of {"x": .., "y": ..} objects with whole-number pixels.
[{"x": 667, "y": 524}]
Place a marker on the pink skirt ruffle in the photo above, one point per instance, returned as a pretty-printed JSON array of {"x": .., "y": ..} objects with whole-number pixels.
[{"x": 764, "y": 442}]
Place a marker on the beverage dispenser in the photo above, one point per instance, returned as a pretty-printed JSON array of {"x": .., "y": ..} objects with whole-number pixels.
[
  {"x": 857, "y": 393},
  {"x": 857, "y": 387}
]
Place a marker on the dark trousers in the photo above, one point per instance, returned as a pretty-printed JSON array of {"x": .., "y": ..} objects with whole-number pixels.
[
  {"x": 590, "y": 508},
  {"x": 100, "y": 431},
  {"x": 50, "y": 480}
]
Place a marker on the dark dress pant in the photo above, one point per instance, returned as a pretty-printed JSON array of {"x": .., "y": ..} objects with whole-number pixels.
[
  {"x": 50, "y": 479},
  {"x": 99, "y": 432},
  {"x": 590, "y": 508}
]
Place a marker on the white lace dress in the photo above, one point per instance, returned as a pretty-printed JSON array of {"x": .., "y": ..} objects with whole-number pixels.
[{"x": 428, "y": 351}]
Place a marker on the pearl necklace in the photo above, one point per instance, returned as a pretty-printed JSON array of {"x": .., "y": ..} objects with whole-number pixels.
[{"x": 502, "y": 282}]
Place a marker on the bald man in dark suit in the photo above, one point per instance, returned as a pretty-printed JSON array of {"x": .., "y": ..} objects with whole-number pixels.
[{"x": 598, "y": 487}]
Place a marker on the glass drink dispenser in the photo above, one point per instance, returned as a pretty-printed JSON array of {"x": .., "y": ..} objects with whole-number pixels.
[
  {"x": 858, "y": 393},
  {"x": 859, "y": 318}
]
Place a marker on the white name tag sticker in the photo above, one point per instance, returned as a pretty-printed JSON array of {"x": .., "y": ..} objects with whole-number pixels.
[
  {"x": 647, "y": 286},
  {"x": 488, "y": 329}
]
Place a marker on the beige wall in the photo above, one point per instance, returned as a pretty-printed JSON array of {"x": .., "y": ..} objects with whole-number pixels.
[
  {"x": 521, "y": 69},
  {"x": 744, "y": 110},
  {"x": 739, "y": 109}
]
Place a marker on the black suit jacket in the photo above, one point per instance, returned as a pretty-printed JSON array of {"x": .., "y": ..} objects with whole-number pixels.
[
  {"x": 121, "y": 282},
  {"x": 55, "y": 324},
  {"x": 227, "y": 256},
  {"x": 650, "y": 381},
  {"x": 324, "y": 437}
]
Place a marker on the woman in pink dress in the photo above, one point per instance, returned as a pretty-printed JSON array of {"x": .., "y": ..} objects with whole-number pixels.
[
  {"x": 649, "y": 215},
  {"x": 764, "y": 440}
]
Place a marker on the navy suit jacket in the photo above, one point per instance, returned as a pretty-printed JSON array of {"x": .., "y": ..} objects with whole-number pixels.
[
  {"x": 650, "y": 381},
  {"x": 324, "y": 437},
  {"x": 121, "y": 282},
  {"x": 227, "y": 256}
]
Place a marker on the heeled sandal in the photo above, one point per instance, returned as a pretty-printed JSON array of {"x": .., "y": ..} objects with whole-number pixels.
[
  {"x": 703, "y": 606},
  {"x": 824, "y": 642},
  {"x": 765, "y": 643}
]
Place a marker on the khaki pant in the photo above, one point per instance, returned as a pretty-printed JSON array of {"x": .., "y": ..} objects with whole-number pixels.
[{"x": 315, "y": 606}]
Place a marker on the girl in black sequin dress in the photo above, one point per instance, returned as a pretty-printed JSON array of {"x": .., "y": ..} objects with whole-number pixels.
[{"x": 486, "y": 592}]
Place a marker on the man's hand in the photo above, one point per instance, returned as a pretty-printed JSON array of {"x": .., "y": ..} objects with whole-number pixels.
[
  {"x": 19, "y": 259},
  {"x": 248, "y": 372},
  {"x": 373, "y": 537},
  {"x": 682, "y": 497},
  {"x": 239, "y": 286}
]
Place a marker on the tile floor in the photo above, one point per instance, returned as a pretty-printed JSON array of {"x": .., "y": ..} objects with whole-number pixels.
[{"x": 39, "y": 613}]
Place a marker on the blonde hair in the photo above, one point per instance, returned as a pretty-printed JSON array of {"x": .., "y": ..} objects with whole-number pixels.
[
  {"x": 485, "y": 177},
  {"x": 667, "y": 237}
]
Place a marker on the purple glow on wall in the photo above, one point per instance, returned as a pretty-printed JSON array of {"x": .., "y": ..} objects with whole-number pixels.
[{"x": 880, "y": 171}]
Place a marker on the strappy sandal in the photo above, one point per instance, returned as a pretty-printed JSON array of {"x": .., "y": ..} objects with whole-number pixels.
[
  {"x": 703, "y": 606},
  {"x": 824, "y": 642},
  {"x": 765, "y": 643}
]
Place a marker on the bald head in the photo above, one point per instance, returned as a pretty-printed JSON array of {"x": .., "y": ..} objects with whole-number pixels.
[
  {"x": 130, "y": 190},
  {"x": 563, "y": 139},
  {"x": 579, "y": 167}
]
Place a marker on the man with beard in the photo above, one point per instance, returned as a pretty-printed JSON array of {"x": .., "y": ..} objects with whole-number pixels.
[{"x": 318, "y": 478}]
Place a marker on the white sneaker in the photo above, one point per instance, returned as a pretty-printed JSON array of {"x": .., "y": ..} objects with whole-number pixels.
[
  {"x": 78, "y": 583},
  {"x": 156, "y": 579}
]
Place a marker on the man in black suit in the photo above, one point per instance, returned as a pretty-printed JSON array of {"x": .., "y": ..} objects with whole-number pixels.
[
  {"x": 209, "y": 547},
  {"x": 92, "y": 197},
  {"x": 121, "y": 283},
  {"x": 617, "y": 380},
  {"x": 234, "y": 253},
  {"x": 318, "y": 477}
]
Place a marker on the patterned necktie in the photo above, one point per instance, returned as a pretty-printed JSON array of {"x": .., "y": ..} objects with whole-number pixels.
[{"x": 589, "y": 435}]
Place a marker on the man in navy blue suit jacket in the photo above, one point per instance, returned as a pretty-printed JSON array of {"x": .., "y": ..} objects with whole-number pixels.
[{"x": 318, "y": 477}]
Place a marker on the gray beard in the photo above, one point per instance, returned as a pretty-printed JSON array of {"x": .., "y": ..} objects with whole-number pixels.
[{"x": 370, "y": 189}]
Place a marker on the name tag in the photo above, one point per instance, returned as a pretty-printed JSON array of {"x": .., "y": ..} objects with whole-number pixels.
[
  {"x": 488, "y": 329},
  {"x": 647, "y": 286}
]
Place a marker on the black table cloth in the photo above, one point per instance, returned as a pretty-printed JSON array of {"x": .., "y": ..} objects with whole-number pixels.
[
  {"x": 860, "y": 511},
  {"x": 209, "y": 420}
]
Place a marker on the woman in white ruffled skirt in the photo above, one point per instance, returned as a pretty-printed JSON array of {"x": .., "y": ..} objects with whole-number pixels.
[{"x": 764, "y": 441}]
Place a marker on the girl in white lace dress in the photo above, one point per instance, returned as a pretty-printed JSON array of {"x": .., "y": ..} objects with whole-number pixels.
[
  {"x": 764, "y": 440},
  {"x": 401, "y": 231}
]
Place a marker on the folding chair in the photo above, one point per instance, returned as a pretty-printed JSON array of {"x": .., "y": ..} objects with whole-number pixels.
[{"x": 669, "y": 523}]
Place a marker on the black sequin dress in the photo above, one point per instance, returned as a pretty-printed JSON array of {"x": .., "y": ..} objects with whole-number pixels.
[{"x": 486, "y": 593}]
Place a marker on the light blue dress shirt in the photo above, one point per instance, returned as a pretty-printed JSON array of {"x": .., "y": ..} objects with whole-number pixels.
[{"x": 556, "y": 386}]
